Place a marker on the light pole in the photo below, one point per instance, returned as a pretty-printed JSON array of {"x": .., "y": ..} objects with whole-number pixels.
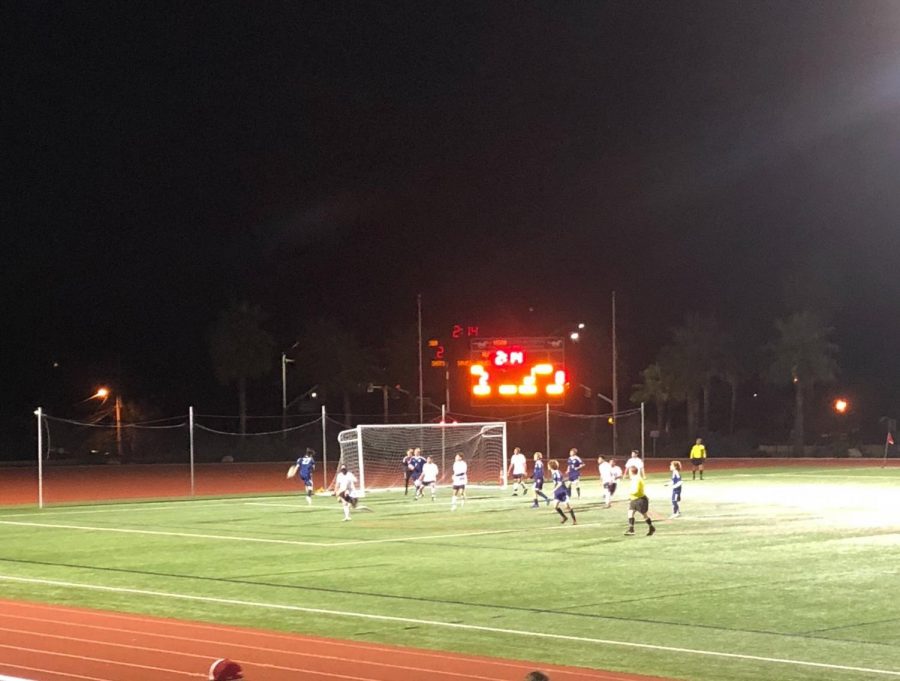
[
  {"x": 285, "y": 360},
  {"x": 103, "y": 394}
]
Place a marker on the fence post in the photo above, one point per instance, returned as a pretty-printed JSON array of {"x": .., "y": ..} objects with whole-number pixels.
[
  {"x": 191, "y": 437},
  {"x": 39, "y": 412},
  {"x": 324, "y": 451},
  {"x": 643, "y": 455}
]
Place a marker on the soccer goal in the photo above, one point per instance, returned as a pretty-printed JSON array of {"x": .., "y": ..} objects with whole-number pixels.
[{"x": 375, "y": 452}]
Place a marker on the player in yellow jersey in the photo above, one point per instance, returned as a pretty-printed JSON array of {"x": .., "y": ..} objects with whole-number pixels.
[
  {"x": 637, "y": 501},
  {"x": 698, "y": 456}
]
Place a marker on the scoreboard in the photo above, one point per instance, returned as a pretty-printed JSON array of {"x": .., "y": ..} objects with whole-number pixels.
[{"x": 517, "y": 371}]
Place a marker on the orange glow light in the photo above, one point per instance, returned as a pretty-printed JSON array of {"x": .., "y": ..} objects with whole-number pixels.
[
  {"x": 528, "y": 388},
  {"x": 554, "y": 389},
  {"x": 507, "y": 389},
  {"x": 542, "y": 369},
  {"x": 102, "y": 392},
  {"x": 481, "y": 390},
  {"x": 476, "y": 370},
  {"x": 840, "y": 405},
  {"x": 560, "y": 378}
]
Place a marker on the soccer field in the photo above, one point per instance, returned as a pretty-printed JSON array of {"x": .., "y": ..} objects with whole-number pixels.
[{"x": 770, "y": 573}]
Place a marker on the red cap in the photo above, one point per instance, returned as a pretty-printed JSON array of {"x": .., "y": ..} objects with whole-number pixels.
[{"x": 224, "y": 669}]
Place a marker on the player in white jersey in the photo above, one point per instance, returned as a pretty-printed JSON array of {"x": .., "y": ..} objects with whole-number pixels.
[
  {"x": 518, "y": 469},
  {"x": 345, "y": 490},
  {"x": 460, "y": 480},
  {"x": 605, "y": 469},
  {"x": 615, "y": 474},
  {"x": 635, "y": 461},
  {"x": 429, "y": 477}
]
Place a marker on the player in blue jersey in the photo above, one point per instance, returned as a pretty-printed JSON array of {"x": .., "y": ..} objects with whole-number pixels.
[
  {"x": 407, "y": 469},
  {"x": 560, "y": 492},
  {"x": 306, "y": 464},
  {"x": 675, "y": 467},
  {"x": 574, "y": 464},
  {"x": 537, "y": 474},
  {"x": 418, "y": 463}
]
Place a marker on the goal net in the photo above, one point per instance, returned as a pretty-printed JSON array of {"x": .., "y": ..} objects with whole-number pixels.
[{"x": 375, "y": 452}]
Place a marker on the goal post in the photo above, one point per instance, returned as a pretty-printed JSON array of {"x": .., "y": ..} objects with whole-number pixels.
[{"x": 375, "y": 452}]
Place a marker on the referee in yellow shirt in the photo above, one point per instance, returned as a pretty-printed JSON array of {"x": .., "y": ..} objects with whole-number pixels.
[
  {"x": 698, "y": 456},
  {"x": 638, "y": 502}
]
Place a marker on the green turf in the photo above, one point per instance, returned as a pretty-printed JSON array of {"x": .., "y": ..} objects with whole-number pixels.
[{"x": 766, "y": 570}]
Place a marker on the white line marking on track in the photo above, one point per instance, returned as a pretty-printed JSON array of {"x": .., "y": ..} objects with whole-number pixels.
[
  {"x": 96, "y": 659},
  {"x": 437, "y": 623},
  {"x": 41, "y": 670}
]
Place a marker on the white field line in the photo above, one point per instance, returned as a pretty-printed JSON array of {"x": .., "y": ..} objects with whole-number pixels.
[
  {"x": 50, "y": 653},
  {"x": 41, "y": 670},
  {"x": 155, "y": 506},
  {"x": 439, "y": 623},
  {"x": 291, "y": 542}
]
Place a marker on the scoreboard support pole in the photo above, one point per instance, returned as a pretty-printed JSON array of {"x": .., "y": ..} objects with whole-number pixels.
[{"x": 547, "y": 427}]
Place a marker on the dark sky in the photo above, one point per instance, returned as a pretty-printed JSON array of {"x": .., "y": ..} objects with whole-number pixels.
[{"x": 339, "y": 158}]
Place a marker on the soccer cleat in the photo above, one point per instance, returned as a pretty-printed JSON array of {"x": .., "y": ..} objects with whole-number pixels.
[
  {"x": 675, "y": 515},
  {"x": 651, "y": 531},
  {"x": 564, "y": 521},
  {"x": 535, "y": 505},
  {"x": 574, "y": 522},
  {"x": 309, "y": 500},
  {"x": 629, "y": 531},
  {"x": 547, "y": 500},
  {"x": 346, "y": 519}
]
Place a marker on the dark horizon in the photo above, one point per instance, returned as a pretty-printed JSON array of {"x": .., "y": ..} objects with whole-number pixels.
[{"x": 337, "y": 159}]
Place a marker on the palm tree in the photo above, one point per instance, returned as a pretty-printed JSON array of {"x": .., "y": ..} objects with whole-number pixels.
[
  {"x": 334, "y": 359},
  {"x": 241, "y": 350},
  {"x": 654, "y": 388},
  {"x": 803, "y": 354}
]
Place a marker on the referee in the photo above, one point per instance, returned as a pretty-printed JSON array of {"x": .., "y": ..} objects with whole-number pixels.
[{"x": 698, "y": 456}]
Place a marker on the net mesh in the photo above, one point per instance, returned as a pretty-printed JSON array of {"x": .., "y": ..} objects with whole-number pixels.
[{"x": 375, "y": 453}]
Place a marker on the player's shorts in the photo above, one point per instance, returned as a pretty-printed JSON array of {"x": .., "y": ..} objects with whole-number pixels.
[
  {"x": 676, "y": 494},
  {"x": 518, "y": 477},
  {"x": 429, "y": 482},
  {"x": 539, "y": 483},
  {"x": 574, "y": 477},
  {"x": 456, "y": 487},
  {"x": 641, "y": 505},
  {"x": 561, "y": 495},
  {"x": 611, "y": 486},
  {"x": 697, "y": 462}
]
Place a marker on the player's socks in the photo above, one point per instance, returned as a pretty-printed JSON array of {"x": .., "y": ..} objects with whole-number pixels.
[
  {"x": 572, "y": 513},
  {"x": 561, "y": 513}
]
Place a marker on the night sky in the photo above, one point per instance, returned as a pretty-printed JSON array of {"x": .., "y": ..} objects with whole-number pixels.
[{"x": 339, "y": 158}]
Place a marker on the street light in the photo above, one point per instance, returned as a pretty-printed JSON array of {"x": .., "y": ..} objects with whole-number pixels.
[
  {"x": 285, "y": 360},
  {"x": 841, "y": 405},
  {"x": 103, "y": 394}
]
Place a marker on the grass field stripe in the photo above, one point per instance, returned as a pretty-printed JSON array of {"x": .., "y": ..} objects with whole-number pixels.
[
  {"x": 160, "y": 533},
  {"x": 449, "y": 625},
  {"x": 291, "y": 542}
]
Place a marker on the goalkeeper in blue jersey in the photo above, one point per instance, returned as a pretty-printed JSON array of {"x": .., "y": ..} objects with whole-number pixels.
[{"x": 306, "y": 464}]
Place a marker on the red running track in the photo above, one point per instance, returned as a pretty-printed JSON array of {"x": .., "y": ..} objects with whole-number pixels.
[{"x": 52, "y": 643}]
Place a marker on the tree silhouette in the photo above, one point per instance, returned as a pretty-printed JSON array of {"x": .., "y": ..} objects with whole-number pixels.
[
  {"x": 802, "y": 354},
  {"x": 241, "y": 350}
]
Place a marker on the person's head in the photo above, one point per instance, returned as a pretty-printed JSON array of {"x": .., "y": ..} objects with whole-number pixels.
[
  {"x": 538, "y": 456},
  {"x": 553, "y": 464},
  {"x": 310, "y": 451},
  {"x": 224, "y": 669},
  {"x": 409, "y": 451},
  {"x": 428, "y": 460},
  {"x": 600, "y": 459},
  {"x": 699, "y": 440},
  {"x": 573, "y": 452},
  {"x": 517, "y": 450},
  {"x": 675, "y": 465},
  {"x": 612, "y": 462},
  {"x": 417, "y": 451},
  {"x": 633, "y": 471},
  {"x": 459, "y": 456},
  {"x": 536, "y": 676},
  {"x": 343, "y": 468},
  {"x": 635, "y": 454}
]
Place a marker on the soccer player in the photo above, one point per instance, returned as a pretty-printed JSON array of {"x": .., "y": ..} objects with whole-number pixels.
[
  {"x": 675, "y": 467},
  {"x": 460, "y": 480},
  {"x": 638, "y": 501},
  {"x": 574, "y": 464},
  {"x": 407, "y": 470},
  {"x": 615, "y": 474},
  {"x": 306, "y": 464},
  {"x": 537, "y": 474},
  {"x": 698, "y": 456},
  {"x": 518, "y": 469},
  {"x": 560, "y": 492},
  {"x": 430, "y": 476},
  {"x": 418, "y": 463},
  {"x": 345, "y": 490},
  {"x": 636, "y": 460},
  {"x": 604, "y": 468}
]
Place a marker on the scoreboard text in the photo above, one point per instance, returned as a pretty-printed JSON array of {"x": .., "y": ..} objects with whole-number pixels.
[{"x": 515, "y": 371}]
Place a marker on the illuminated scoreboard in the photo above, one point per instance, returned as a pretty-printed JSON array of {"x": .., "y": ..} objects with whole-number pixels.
[{"x": 515, "y": 371}]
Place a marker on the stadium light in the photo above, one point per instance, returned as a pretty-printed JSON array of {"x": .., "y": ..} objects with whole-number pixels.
[{"x": 841, "y": 405}]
